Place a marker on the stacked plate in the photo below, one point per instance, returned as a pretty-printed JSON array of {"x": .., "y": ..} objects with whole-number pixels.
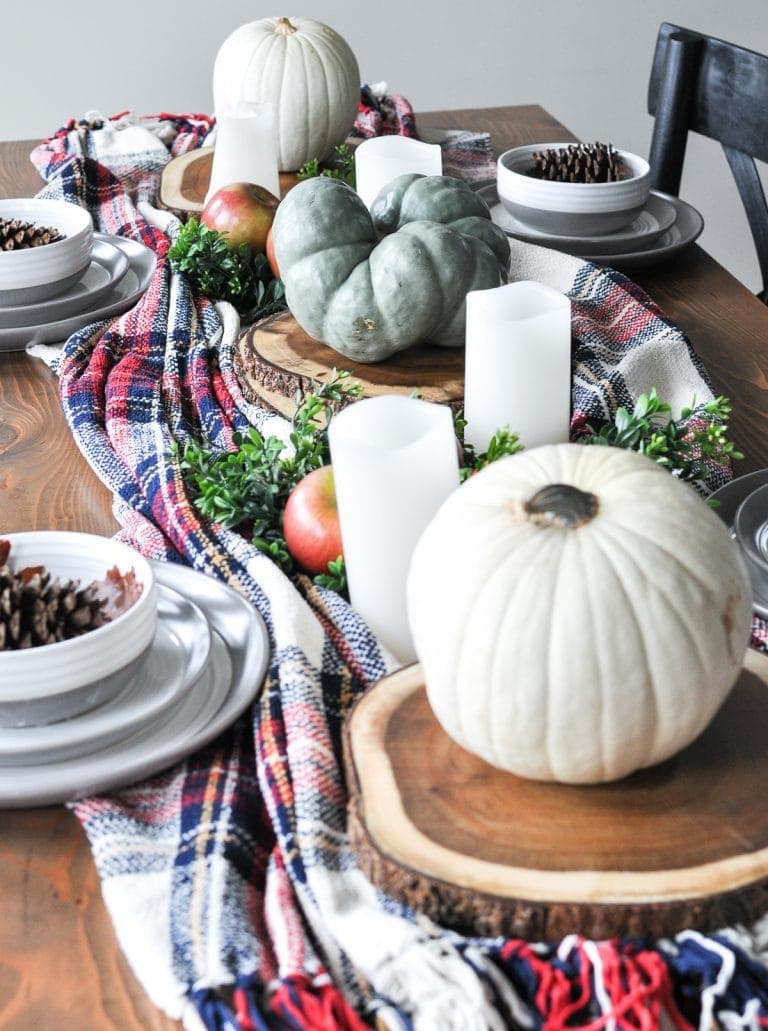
[
  {"x": 118, "y": 273},
  {"x": 663, "y": 227},
  {"x": 206, "y": 665},
  {"x": 743, "y": 505}
]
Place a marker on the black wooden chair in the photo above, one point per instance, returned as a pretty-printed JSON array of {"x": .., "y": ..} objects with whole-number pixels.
[{"x": 702, "y": 84}]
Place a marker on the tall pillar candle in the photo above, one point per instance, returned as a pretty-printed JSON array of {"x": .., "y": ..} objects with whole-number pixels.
[
  {"x": 394, "y": 462},
  {"x": 381, "y": 159},
  {"x": 518, "y": 364},
  {"x": 245, "y": 150}
]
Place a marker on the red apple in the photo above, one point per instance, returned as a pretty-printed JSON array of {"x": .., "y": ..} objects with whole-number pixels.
[
  {"x": 311, "y": 521},
  {"x": 243, "y": 211},
  {"x": 271, "y": 253}
]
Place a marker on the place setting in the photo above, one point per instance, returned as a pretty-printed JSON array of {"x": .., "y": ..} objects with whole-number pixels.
[
  {"x": 57, "y": 274},
  {"x": 565, "y": 196},
  {"x": 129, "y": 665}
]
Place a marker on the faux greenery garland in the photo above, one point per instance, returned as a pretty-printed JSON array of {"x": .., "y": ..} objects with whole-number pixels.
[
  {"x": 340, "y": 166},
  {"x": 248, "y": 487},
  {"x": 686, "y": 446},
  {"x": 240, "y": 275}
]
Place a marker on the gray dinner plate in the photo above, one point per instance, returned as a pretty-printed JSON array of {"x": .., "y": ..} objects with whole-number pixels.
[
  {"x": 227, "y": 685},
  {"x": 108, "y": 266},
  {"x": 176, "y": 658},
  {"x": 731, "y": 495},
  {"x": 121, "y": 296},
  {"x": 658, "y": 215},
  {"x": 750, "y": 528},
  {"x": 730, "y": 498},
  {"x": 633, "y": 250}
]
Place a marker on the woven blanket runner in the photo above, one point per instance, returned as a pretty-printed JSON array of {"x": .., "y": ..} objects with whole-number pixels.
[{"x": 229, "y": 878}]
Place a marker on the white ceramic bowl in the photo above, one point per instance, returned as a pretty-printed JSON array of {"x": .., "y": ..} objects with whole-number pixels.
[
  {"x": 570, "y": 209},
  {"x": 53, "y": 682},
  {"x": 36, "y": 273}
]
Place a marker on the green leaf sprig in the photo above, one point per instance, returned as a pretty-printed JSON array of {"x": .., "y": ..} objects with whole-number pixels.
[
  {"x": 240, "y": 275},
  {"x": 502, "y": 443},
  {"x": 336, "y": 577},
  {"x": 248, "y": 487},
  {"x": 340, "y": 166},
  {"x": 686, "y": 446}
]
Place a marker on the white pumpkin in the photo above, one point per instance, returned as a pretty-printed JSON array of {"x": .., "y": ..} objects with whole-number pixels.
[
  {"x": 577, "y": 633},
  {"x": 305, "y": 69}
]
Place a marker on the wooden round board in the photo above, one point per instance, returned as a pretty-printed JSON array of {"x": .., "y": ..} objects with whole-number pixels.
[
  {"x": 680, "y": 845},
  {"x": 275, "y": 358},
  {"x": 184, "y": 181}
]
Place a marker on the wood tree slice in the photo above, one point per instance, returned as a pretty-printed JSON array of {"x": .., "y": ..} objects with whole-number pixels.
[
  {"x": 681, "y": 845},
  {"x": 275, "y": 358},
  {"x": 185, "y": 179}
]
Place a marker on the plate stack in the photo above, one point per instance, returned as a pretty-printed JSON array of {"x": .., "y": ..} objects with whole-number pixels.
[
  {"x": 622, "y": 223},
  {"x": 57, "y": 275},
  {"x": 743, "y": 505},
  {"x": 202, "y": 664}
]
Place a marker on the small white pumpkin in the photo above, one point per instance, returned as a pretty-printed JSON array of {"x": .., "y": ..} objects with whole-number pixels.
[
  {"x": 578, "y": 612},
  {"x": 305, "y": 69}
]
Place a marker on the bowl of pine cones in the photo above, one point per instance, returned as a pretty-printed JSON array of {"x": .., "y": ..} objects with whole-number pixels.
[
  {"x": 78, "y": 615},
  {"x": 45, "y": 246},
  {"x": 573, "y": 189}
]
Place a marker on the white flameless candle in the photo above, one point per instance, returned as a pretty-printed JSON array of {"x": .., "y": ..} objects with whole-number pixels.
[
  {"x": 246, "y": 148},
  {"x": 394, "y": 462},
  {"x": 518, "y": 364},
  {"x": 383, "y": 158}
]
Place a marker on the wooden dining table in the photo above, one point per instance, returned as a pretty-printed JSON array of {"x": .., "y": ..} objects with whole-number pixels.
[{"x": 60, "y": 963}]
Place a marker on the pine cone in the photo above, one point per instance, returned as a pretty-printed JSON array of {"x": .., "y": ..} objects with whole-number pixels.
[
  {"x": 16, "y": 235},
  {"x": 579, "y": 163},
  {"x": 36, "y": 610}
]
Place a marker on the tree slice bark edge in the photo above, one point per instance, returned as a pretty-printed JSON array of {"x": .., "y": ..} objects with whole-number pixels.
[
  {"x": 274, "y": 359},
  {"x": 472, "y": 911}
]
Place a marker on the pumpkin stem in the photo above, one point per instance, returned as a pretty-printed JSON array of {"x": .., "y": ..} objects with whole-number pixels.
[
  {"x": 285, "y": 26},
  {"x": 562, "y": 505}
]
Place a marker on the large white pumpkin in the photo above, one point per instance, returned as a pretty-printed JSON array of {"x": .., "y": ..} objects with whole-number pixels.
[
  {"x": 305, "y": 69},
  {"x": 582, "y": 631}
]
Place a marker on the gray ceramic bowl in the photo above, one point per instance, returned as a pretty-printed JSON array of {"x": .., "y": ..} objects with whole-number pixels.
[
  {"x": 52, "y": 682},
  {"x": 34, "y": 274},
  {"x": 570, "y": 209}
]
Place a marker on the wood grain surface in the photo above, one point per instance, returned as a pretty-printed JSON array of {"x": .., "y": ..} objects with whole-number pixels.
[
  {"x": 60, "y": 965},
  {"x": 683, "y": 844}
]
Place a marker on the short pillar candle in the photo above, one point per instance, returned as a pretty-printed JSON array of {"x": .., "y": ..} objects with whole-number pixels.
[
  {"x": 383, "y": 158},
  {"x": 518, "y": 364},
  {"x": 245, "y": 150},
  {"x": 394, "y": 462}
]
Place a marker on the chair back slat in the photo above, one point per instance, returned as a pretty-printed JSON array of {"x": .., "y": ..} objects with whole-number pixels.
[
  {"x": 705, "y": 85},
  {"x": 730, "y": 96},
  {"x": 673, "y": 100},
  {"x": 753, "y": 197}
]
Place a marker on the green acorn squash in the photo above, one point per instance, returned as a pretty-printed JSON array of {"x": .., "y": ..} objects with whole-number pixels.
[
  {"x": 438, "y": 198},
  {"x": 369, "y": 298}
]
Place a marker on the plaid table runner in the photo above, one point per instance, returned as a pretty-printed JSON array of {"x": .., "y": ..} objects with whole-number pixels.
[{"x": 229, "y": 878}]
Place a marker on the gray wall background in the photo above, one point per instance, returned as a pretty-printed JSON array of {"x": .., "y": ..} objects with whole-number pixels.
[{"x": 587, "y": 62}]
